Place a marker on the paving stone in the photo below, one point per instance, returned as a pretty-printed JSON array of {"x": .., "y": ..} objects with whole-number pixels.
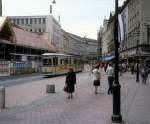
[{"x": 84, "y": 108}]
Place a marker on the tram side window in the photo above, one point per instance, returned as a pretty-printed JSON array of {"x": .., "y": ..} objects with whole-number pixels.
[
  {"x": 72, "y": 61},
  {"x": 66, "y": 61},
  {"x": 62, "y": 62},
  {"x": 69, "y": 61},
  {"x": 75, "y": 61},
  {"x": 55, "y": 61},
  {"x": 47, "y": 62}
]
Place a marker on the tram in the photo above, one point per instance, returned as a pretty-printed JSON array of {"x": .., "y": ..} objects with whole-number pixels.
[{"x": 59, "y": 64}]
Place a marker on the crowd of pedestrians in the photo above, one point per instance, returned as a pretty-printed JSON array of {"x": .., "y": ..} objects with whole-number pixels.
[{"x": 95, "y": 71}]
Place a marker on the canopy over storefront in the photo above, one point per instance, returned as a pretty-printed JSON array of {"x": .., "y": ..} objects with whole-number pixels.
[{"x": 108, "y": 58}]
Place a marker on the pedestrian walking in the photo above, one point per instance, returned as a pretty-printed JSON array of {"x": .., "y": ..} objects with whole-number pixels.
[
  {"x": 132, "y": 68},
  {"x": 110, "y": 75},
  {"x": 96, "y": 78},
  {"x": 120, "y": 69},
  {"x": 105, "y": 67},
  {"x": 144, "y": 75},
  {"x": 90, "y": 69},
  {"x": 70, "y": 83}
]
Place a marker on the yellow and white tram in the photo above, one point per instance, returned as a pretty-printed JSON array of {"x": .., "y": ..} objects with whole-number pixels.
[{"x": 58, "y": 64}]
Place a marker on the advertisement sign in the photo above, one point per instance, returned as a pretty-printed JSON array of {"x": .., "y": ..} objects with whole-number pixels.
[{"x": 24, "y": 58}]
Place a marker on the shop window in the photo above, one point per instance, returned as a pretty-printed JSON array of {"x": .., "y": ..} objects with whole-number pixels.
[{"x": 148, "y": 35}]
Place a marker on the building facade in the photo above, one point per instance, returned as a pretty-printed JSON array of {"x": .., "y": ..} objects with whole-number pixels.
[
  {"x": 104, "y": 38},
  {"x": 108, "y": 39},
  {"x": 138, "y": 30},
  {"x": 80, "y": 46},
  {"x": 20, "y": 50},
  {"x": 134, "y": 32},
  {"x": 99, "y": 40},
  {"x": 43, "y": 25},
  {"x": 91, "y": 49}
]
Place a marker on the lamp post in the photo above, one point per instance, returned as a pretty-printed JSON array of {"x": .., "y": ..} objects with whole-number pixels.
[
  {"x": 0, "y": 7},
  {"x": 51, "y": 7},
  {"x": 86, "y": 49},
  {"x": 116, "y": 116},
  {"x": 137, "y": 53}
]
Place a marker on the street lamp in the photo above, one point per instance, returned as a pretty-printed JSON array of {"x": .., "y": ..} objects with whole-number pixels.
[
  {"x": 0, "y": 7},
  {"x": 116, "y": 116},
  {"x": 54, "y": 2},
  {"x": 86, "y": 49},
  {"x": 137, "y": 53},
  {"x": 51, "y": 9}
]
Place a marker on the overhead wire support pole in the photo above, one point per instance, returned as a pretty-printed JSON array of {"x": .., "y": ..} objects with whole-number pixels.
[
  {"x": 1, "y": 8},
  {"x": 116, "y": 116},
  {"x": 137, "y": 66}
]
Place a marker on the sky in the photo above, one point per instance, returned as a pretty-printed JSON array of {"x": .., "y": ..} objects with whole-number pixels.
[{"x": 80, "y": 17}]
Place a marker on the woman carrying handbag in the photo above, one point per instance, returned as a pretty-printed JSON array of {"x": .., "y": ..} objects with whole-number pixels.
[{"x": 70, "y": 83}]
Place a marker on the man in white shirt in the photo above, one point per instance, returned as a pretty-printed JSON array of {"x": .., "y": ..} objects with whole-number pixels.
[
  {"x": 110, "y": 75},
  {"x": 96, "y": 78}
]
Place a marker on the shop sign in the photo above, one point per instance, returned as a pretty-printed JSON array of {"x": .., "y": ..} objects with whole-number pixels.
[{"x": 24, "y": 58}]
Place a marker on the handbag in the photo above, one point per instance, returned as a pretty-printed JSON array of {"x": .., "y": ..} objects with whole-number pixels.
[{"x": 66, "y": 89}]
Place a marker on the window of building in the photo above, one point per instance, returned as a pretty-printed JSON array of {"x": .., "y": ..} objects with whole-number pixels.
[
  {"x": 22, "y": 21},
  {"x": 14, "y": 21},
  {"x": 39, "y": 29},
  {"x": 26, "y": 21},
  {"x": 43, "y": 20},
  {"x": 35, "y": 21},
  {"x": 17, "y": 21},
  {"x": 148, "y": 35},
  {"x": 30, "y": 21},
  {"x": 30, "y": 30},
  {"x": 39, "y": 20}
]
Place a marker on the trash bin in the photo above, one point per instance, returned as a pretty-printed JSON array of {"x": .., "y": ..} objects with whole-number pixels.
[
  {"x": 50, "y": 88},
  {"x": 2, "y": 97}
]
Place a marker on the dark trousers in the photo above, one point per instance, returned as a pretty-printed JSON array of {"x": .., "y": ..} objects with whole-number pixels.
[{"x": 110, "y": 82}]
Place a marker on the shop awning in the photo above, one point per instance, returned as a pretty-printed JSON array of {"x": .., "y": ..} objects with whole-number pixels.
[{"x": 108, "y": 58}]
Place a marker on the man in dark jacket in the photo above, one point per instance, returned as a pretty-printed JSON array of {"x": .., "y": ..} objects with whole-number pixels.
[{"x": 70, "y": 82}]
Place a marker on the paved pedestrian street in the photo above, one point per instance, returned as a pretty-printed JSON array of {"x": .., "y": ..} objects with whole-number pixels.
[{"x": 85, "y": 108}]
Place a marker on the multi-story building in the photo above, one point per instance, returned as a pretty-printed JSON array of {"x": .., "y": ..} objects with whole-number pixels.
[
  {"x": 80, "y": 46},
  {"x": 91, "y": 49},
  {"x": 110, "y": 35},
  {"x": 44, "y": 25},
  {"x": 20, "y": 50},
  {"x": 134, "y": 25},
  {"x": 138, "y": 29},
  {"x": 51, "y": 30},
  {"x": 108, "y": 39},
  {"x": 99, "y": 40},
  {"x": 104, "y": 38}
]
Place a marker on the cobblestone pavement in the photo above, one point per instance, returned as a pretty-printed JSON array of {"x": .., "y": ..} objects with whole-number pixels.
[{"x": 29, "y": 104}]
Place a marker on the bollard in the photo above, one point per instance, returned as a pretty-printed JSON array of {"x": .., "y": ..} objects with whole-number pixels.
[
  {"x": 50, "y": 88},
  {"x": 2, "y": 97}
]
